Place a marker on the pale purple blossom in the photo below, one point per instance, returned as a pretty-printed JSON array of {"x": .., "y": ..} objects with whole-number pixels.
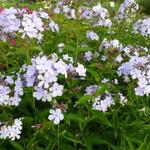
[
  {"x": 56, "y": 116},
  {"x": 92, "y": 35},
  {"x": 102, "y": 104},
  {"x": 81, "y": 70}
]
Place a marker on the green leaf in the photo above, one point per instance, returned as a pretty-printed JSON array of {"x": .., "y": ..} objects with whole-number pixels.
[
  {"x": 94, "y": 74},
  {"x": 95, "y": 65},
  {"x": 115, "y": 122},
  {"x": 67, "y": 146},
  {"x": 137, "y": 123},
  {"x": 16, "y": 145},
  {"x": 100, "y": 117},
  {"x": 84, "y": 99},
  {"x": 27, "y": 119},
  {"x": 147, "y": 127},
  {"x": 69, "y": 136},
  {"x": 77, "y": 117},
  {"x": 50, "y": 145},
  {"x": 102, "y": 89},
  {"x": 131, "y": 147},
  {"x": 92, "y": 140},
  {"x": 85, "y": 49},
  {"x": 148, "y": 147},
  {"x": 144, "y": 144}
]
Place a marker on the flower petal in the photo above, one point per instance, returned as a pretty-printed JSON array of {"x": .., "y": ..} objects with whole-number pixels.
[
  {"x": 51, "y": 117},
  {"x": 56, "y": 120}
]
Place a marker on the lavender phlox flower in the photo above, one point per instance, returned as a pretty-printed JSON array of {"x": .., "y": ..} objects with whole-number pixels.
[
  {"x": 102, "y": 104},
  {"x": 56, "y": 116},
  {"x": 91, "y": 89}
]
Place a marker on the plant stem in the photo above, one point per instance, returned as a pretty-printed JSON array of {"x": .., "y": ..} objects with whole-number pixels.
[
  {"x": 27, "y": 50},
  {"x": 58, "y": 138},
  {"x": 28, "y": 56},
  {"x": 77, "y": 27}
]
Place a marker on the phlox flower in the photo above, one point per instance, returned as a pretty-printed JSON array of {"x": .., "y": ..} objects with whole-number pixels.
[
  {"x": 56, "y": 116},
  {"x": 92, "y": 35},
  {"x": 81, "y": 70}
]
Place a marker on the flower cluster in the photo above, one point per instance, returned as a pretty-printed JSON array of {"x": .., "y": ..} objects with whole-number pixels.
[
  {"x": 43, "y": 75},
  {"x": 127, "y": 10},
  {"x": 121, "y": 51},
  {"x": 9, "y": 22},
  {"x": 112, "y": 44},
  {"x": 92, "y": 35},
  {"x": 138, "y": 68},
  {"x": 54, "y": 26},
  {"x": 32, "y": 26},
  {"x": 137, "y": 50},
  {"x": 103, "y": 102},
  {"x": 122, "y": 99},
  {"x": 11, "y": 132},
  {"x": 11, "y": 90},
  {"x": 88, "y": 56},
  {"x": 29, "y": 23},
  {"x": 111, "y": 47},
  {"x": 99, "y": 15},
  {"x": 65, "y": 9},
  {"x": 142, "y": 27}
]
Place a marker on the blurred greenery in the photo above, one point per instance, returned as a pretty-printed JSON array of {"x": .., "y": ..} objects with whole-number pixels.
[
  {"x": 146, "y": 5},
  {"x": 40, "y": 3}
]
